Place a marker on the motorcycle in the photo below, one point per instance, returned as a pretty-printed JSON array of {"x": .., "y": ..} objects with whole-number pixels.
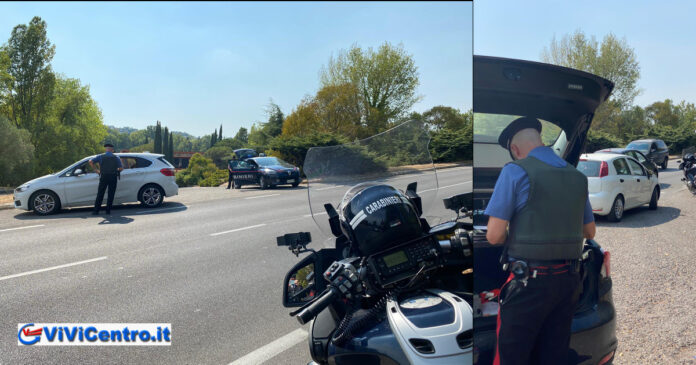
[
  {"x": 408, "y": 302},
  {"x": 688, "y": 167}
]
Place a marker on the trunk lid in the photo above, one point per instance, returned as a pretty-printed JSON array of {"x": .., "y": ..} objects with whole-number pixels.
[{"x": 564, "y": 99}]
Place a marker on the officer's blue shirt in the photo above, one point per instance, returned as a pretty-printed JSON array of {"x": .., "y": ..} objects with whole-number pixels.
[
  {"x": 99, "y": 158},
  {"x": 512, "y": 188}
]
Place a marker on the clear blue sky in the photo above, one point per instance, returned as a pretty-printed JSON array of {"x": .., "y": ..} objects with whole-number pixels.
[
  {"x": 196, "y": 65},
  {"x": 663, "y": 34}
]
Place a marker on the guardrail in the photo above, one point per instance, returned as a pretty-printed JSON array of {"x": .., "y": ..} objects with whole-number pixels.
[{"x": 6, "y": 190}]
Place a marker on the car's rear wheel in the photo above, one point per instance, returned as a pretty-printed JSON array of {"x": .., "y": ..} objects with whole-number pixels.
[
  {"x": 664, "y": 163},
  {"x": 617, "y": 210},
  {"x": 45, "y": 202},
  {"x": 653, "y": 199},
  {"x": 295, "y": 184},
  {"x": 151, "y": 196},
  {"x": 237, "y": 185}
]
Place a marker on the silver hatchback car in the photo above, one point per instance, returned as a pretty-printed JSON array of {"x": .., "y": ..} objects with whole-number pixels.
[{"x": 146, "y": 177}]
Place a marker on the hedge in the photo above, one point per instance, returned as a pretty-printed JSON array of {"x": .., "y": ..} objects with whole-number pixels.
[{"x": 201, "y": 171}]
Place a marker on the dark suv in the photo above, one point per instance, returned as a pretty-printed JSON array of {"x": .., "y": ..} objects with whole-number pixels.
[
  {"x": 654, "y": 149},
  {"x": 564, "y": 100}
]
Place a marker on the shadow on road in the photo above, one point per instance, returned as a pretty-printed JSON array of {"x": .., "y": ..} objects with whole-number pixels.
[
  {"x": 642, "y": 217},
  {"x": 117, "y": 211},
  {"x": 664, "y": 186},
  {"x": 116, "y": 219}
]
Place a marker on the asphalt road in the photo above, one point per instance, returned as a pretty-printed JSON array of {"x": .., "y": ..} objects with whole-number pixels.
[
  {"x": 206, "y": 261},
  {"x": 653, "y": 266}
]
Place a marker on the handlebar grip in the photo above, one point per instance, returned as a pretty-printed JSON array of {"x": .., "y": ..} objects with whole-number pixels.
[{"x": 319, "y": 305}]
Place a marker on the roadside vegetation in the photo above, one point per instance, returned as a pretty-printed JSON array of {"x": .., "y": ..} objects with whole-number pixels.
[
  {"x": 619, "y": 121},
  {"x": 49, "y": 120}
]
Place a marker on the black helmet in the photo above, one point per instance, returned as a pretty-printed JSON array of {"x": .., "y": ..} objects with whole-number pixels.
[
  {"x": 689, "y": 157},
  {"x": 376, "y": 216}
]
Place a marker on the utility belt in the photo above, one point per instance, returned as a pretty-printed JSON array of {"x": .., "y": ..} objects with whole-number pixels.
[{"x": 523, "y": 270}]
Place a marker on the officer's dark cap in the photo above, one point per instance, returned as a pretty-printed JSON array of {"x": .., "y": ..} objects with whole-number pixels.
[
  {"x": 108, "y": 145},
  {"x": 516, "y": 126}
]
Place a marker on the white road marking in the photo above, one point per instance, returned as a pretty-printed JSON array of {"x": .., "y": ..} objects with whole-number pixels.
[
  {"x": 320, "y": 213},
  {"x": 446, "y": 186},
  {"x": 331, "y": 187},
  {"x": 261, "y": 196},
  {"x": 16, "y": 228},
  {"x": 272, "y": 349},
  {"x": 159, "y": 210},
  {"x": 238, "y": 229},
  {"x": 52, "y": 268}
]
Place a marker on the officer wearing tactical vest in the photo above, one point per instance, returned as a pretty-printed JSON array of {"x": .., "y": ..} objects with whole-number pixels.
[
  {"x": 109, "y": 168},
  {"x": 540, "y": 210}
]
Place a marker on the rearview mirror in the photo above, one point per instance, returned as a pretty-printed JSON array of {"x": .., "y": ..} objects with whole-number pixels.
[
  {"x": 300, "y": 286},
  {"x": 78, "y": 172}
]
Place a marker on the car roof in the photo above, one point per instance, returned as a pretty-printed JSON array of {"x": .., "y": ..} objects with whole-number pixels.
[
  {"x": 645, "y": 140},
  {"x": 140, "y": 154},
  {"x": 601, "y": 156},
  {"x": 614, "y": 150}
]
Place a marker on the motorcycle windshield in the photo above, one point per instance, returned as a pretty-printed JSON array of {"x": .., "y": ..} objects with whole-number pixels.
[{"x": 397, "y": 157}]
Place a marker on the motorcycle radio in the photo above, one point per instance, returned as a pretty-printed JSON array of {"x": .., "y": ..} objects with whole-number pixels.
[{"x": 404, "y": 261}]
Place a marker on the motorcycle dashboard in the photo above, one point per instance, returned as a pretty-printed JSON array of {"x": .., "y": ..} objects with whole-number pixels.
[{"x": 404, "y": 261}]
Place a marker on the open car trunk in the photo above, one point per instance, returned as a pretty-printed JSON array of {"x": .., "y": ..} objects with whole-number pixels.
[{"x": 564, "y": 100}]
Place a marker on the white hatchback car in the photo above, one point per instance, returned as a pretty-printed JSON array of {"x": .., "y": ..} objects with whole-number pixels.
[
  {"x": 618, "y": 182},
  {"x": 146, "y": 178}
]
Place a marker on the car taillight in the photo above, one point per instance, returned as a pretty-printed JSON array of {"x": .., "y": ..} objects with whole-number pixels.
[
  {"x": 167, "y": 172},
  {"x": 604, "y": 169},
  {"x": 605, "y": 271}
]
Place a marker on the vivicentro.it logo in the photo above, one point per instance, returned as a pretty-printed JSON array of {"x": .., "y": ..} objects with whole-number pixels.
[{"x": 94, "y": 334}]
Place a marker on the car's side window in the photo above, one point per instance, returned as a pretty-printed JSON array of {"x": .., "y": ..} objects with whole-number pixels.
[
  {"x": 242, "y": 165},
  {"x": 141, "y": 163},
  {"x": 621, "y": 167},
  {"x": 128, "y": 162},
  {"x": 637, "y": 156},
  {"x": 636, "y": 167}
]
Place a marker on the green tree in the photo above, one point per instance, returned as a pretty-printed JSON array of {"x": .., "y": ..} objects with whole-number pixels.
[
  {"x": 242, "y": 135},
  {"x": 613, "y": 59},
  {"x": 29, "y": 79},
  {"x": 213, "y": 138},
  {"x": 165, "y": 142},
  {"x": 170, "y": 155},
  {"x": 72, "y": 127},
  {"x": 385, "y": 81},
  {"x": 257, "y": 137},
  {"x": 16, "y": 154},
  {"x": 663, "y": 113},
  {"x": 439, "y": 117},
  {"x": 220, "y": 134},
  {"x": 158, "y": 138}
]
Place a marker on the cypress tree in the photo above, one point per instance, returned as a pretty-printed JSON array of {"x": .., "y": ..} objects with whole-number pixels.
[
  {"x": 220, "y": 135},
  {"x": 165, "y": 141},
  {"x": 158, "y": 137},
  {"x": 171, "y": 147}
]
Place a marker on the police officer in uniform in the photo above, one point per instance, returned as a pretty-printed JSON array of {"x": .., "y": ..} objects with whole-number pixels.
[
  {"x": 540, "y": 210},
  {"x": 230, "y": 176},
  {"x": 109, "y": 168}
]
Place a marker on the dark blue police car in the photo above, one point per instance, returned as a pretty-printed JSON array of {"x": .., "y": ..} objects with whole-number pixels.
[{"x": 265, "y": 172}]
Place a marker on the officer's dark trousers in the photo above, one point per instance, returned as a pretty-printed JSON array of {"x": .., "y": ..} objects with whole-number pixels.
[
  {"x": 229, "y": 179},
  {"x": 104, "y": 182},
  {"x": 534, "y": 323}
]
